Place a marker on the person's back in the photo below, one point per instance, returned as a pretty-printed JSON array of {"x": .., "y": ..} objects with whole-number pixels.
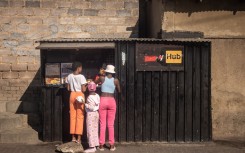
[
  {"x": 76, "y": 82},
  {"x": 108, "y": 86}
]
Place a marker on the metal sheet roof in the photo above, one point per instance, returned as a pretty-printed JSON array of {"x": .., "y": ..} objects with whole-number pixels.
[{"x": 75, "y": 40}]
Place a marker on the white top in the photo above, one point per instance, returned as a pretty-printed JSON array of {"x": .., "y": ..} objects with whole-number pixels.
[
  {"x": 92, "y": 103},
  {"x": 76, "y": 82}
]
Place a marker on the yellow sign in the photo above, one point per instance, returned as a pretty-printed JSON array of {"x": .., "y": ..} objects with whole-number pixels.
[{"x": 174, "y": 56}]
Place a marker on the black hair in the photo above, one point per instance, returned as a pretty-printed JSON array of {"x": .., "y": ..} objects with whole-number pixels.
[{"x": 76, "y": 65}]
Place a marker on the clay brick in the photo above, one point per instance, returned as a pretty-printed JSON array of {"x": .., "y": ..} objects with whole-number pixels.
[
  {"x": 114, "y": 21},
  {"x": 25, "y": 11},
  {"x": 123, "y": 13},
  {"x": 5, "y": 51},
  {"x": 131, "y": 21},
  {"x": 48, "y": 4},
  {"x": 27, "y": 75},
  {"x": 2, "y": 107},
  {"x": 66, "y": 20},
  {"x": 82, "y": 20},
  {"x": 3, "y": 82},
  {"x": 18, "y": 20},
  {"x": 18, "y": 82},
  {"x": 50, "y": 20},
  {"x": 89, "y": 28},
  {"x": 23, "y": 28},
  {"x": 80, "y": 4},
  {"x": 6, "y": 88},
  {"x": 91, "y": 12},
  {"x": 107, "y": 13},
  {"x": 59, "y": 12},
  {"x": 17, "y": 3},
  {"x": 41, "y": 12},
  {"x": 74, "y": 28},
  {"x": 19, "y": 67},
  {"x": 26, "y": 59},
  {"x": 135, "y": 12},
  {"x": 75, "y": 12},
  {"x": 114, "y": 5},
  {"x": 5, "y": 20},
  {"x": 98, "y": 5},
  {"x": 4, "y": 67},
  {"x": 98, "y": 20},
  {"x": 33, "y": 67},
  {"x": 4, "y": 3},
  {"x": 32, "y": 3},
  {"x": 10, "y": 75},
  {"x": 9, "y": 59},
  {"x": 35, "y": 20},
  {"x": 64, "y": 4},
  {"x": 131, "y": 5},
  {"x": 107, "y": 29},
  {"x": 15, "y": 88}
]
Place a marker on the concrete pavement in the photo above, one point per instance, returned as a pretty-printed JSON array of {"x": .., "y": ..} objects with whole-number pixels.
[{"x": 211, "y": 147}]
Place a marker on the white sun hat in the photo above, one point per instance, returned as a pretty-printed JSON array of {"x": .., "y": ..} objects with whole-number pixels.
[{"x": 110, "y": 69}]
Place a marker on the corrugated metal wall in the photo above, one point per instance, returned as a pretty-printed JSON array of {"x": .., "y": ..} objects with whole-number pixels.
[{"x": 164, "y": 105}]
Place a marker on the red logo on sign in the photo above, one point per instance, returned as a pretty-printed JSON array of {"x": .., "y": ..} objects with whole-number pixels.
[{"x": 150, "y": 58}]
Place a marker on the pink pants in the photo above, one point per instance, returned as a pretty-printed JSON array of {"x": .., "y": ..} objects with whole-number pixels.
[{"x": 107, "y": 114}]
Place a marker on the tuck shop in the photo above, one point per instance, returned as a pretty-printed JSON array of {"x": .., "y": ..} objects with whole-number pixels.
[{"x": 165, "y": 86}]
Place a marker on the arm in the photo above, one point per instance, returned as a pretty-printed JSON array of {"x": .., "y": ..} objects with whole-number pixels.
[
  {"x": 101, "y": 79},
  {"x": 117, "y": 84},
  {"x": 68, "y": 87},
  {"x": 84, "y": 87}
]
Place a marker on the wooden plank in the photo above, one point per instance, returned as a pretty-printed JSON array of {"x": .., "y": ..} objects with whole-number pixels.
[
  {"x": 148, "y": 104},
  {"x": 117, "y": 124},
  {"x": 130, "y": 89},
  {"x": 188, "y": 93},
  {"x": 57, "y": 115},
  {"x": 123, "y": 96},
  {"x": 144, "y": 108},
  {"x": 196, "y": 93},
  {"x": 47, "y": 123},
  {"x": 139, "y": 106},
  {"x": 155, "y": 106},
  {"x": 205, "y": 99},
  {"x": 172, "y": 107},
  {"x": 180, "y": 118},
  {"x": 164, "y": 106}
]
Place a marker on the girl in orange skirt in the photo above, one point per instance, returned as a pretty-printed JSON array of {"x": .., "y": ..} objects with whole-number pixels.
[{"x": 76, "y": 83}]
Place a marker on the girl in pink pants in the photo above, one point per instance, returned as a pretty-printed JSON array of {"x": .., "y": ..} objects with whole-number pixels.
[{"x": 107, "y": 110}]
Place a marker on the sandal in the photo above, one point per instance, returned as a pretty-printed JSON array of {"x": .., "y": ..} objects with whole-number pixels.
[{"x": 79, "y": 142}]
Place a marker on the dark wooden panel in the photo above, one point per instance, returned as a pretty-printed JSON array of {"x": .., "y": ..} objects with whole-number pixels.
[
  {"x": 196, "y": 94},
  {"x": 148, "y": 106},
  {"x": 188, "y": 93},
  {"x": 172, "y": 106},
  {"x": 122, "y": 102},
  {"x": 155, "y": 106},
  {"x": 164, "y": 106},
  {"x": 205, "y": 87},
  {"x": 117, "y": 97},
  {"x": 144, "y": 107},
  {"x": 47, "y": 122},
  {"x": 57, "y": 117},
  {"x": 130, "y": 89},
  {"x": 180, "y": 111},
  {"x": 139, "y": 106}
]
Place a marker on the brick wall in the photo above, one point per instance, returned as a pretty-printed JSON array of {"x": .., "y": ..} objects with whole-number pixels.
[{"x": 25, "y": 21}]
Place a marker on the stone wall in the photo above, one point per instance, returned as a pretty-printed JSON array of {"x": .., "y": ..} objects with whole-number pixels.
[{"x": 22, "y": 22}]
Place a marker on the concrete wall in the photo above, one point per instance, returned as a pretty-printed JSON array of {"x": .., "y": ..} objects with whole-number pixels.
[
  {"x": 22, "y": 22},
  {"x": 228, "y": 88},
  {"x": 219, "y": 20},
  {"x": 216, "y": 19}
]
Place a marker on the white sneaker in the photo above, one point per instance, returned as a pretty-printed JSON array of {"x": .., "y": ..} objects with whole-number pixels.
[
  {"x": 113, "y": 149},
  {"x": 90, "y": 150}
]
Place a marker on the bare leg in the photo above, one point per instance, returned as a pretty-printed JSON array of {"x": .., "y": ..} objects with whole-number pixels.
[
  {"x": 73, "y": 137},
  {"x": 79, "y": 138}
]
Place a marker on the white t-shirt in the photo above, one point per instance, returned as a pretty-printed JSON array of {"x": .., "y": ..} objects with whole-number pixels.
[
  {"x": 92, "y": 104},
  {"x": 76, "y": 82}
]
